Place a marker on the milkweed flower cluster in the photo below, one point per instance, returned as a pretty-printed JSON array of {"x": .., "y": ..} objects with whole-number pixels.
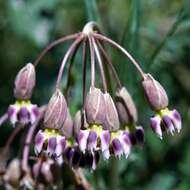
[{"x": 106, "y": 125}]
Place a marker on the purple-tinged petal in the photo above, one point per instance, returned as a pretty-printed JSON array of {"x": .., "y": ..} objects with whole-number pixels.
[
  {"x": 139, "y": 133},
  {"x": 176, "y": 119},
  {"x": 52, "y": 143},
  {"x": 126, "y": 144},
  {"x": 168, "y": 124},
  {"x": 61, "y": 145},
  {"x": 39, "y": 141},
  {"x": 131, "y": 136},
  {"x": 60, "y": 160},
  {"x": 69, "y": 153},
  {"x": 82, "y": 138},
  {"x": 96, "y": 157},
  {"x": 105, "y": 142},
  {"x": 92, "y": 141},
  {"x": 24, "y": 116},
  {"x": 155, "y": 124},
  {"x": 117, "y": 147},
  {"x": 12, "y": 114},
  {"x": 34, "y": 113}
]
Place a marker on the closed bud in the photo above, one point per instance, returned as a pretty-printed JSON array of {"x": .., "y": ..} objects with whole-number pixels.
[
  {"x": 56, "y": 112},
  {"x": 25, "y": 82},
  {"x": 126, "y": 107},
  {"x": 95, "y": 106},
  {"x": 155, "y": 93},
  {"x": 67, "y": 128},
  {"x": 46, "y": 170},
  {"x": 13, "y": 173},
  {"x": 111, "y": 120}
]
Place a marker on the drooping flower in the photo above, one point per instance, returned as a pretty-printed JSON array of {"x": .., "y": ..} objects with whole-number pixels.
[
  {"x": 23, "y": 112},
  {"x": 47, "y": 171},
  {"x": 51, "y": 142},
  {"x": 54, "y": 139},
  {"x": 128, "y": 117},
  {"x": 164, "y": 119}
]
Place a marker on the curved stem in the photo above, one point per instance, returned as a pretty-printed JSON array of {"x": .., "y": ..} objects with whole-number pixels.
[
  {"x": 92, "y": 61},
  {"x": 68, "y": 83},
  {"x": 56, "y": 42},
  {"x": 11, "y": 139},
  {"x": 113, "y": 43},
  {"x": 102, "y": 72},
  {"x": 28, "y": 140},
  {"x": 3, "y": 118},
  {"x": 67, "y": 54},
  {"x": 109, "y": 62},
  {"x": 84, "y": 61}
]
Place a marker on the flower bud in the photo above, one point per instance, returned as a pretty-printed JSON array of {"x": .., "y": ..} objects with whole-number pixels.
[
  {"x": 111, "y": 120},
  {"x": 67, "y": 128},
  {"x": 125, "y": 106},
  {"x": 95, "y": 106},
  {"x": 155, "y": 93},
  {"x": 47, "y": 170},
  {"x": 56, "y": 112},
  {"x": 13, "y": 173},
  {"x": 25, "y": 82}
]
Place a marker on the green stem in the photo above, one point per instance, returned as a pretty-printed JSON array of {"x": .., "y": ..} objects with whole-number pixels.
[{"x": 114, "y": 180}]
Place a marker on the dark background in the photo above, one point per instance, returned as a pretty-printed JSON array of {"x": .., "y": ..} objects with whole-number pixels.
[{"x": 156, "y": 32}]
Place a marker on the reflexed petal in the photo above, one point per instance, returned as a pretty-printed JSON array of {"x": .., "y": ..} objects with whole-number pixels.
[
  {"x": 96, "y": 157},
  {"x": 117, "y": 147},
  {"x": 168, "y": 124},
  {"x": 92, "y": 141},
  {"x": 69, "y": 154},
  {"x": 52, "y": 142},
  {"x": 24, "y": 116},
  {"x": 60, "y": 160},
  {"x": 82, "y": 139},
  {"x": 126, "y": 144},
  {"x": 34, "y": 113},
  {"x": 61, "y": 145},
  {"x": 105, "y": 141},
  {"x": 176, "y": 119},
  {"x": 39, "y": 141},
  {"x": 155, "y": 124},
  {"x": 139, "y": 133},
  {"x": 12, "y": 114}
]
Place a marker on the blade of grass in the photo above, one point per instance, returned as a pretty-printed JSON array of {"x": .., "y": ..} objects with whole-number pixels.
[
  {"x": 174, "y": 27},
  {"x": 131, "y": 32}
]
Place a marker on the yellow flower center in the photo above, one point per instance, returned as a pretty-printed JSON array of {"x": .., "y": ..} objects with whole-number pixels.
[
  {"x": 51, "y": 133},
  {"x": 163, "y": 112},
  {"x": 97, "y": 128},
  {"x": 22, "y": 103}
]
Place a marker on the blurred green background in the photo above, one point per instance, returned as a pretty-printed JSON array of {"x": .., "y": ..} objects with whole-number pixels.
[{"x": 156, "y": 32}]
